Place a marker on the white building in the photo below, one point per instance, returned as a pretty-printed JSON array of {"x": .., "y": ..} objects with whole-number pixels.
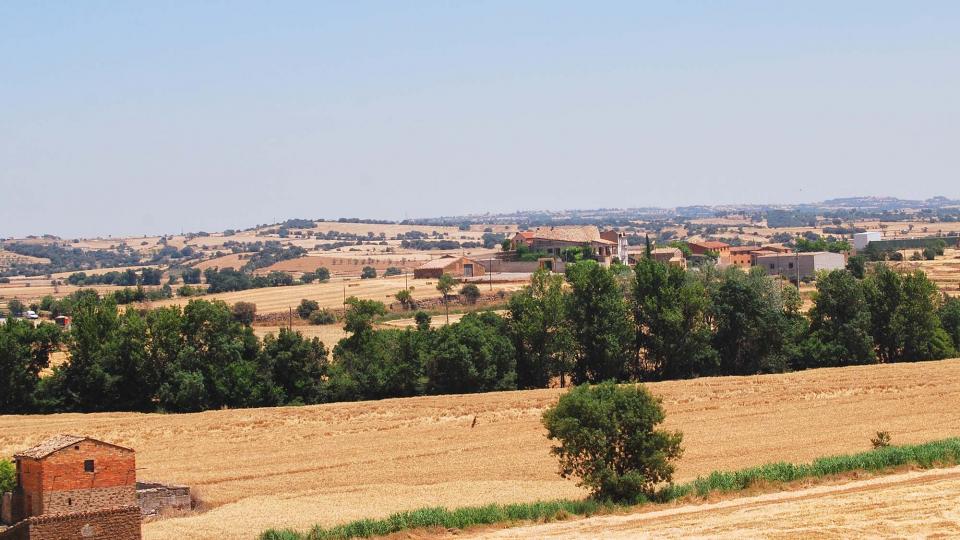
[{"x": 861, "y": 239}]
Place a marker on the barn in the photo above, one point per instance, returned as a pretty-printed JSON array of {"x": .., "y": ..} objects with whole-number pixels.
[{"x": 459, "y": 267}]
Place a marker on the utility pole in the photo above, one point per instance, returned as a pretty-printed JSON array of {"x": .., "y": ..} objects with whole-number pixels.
[{"x": 490, "y": 271}]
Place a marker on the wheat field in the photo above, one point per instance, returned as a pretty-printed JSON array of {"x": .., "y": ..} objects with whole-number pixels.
[{"x": 297, "y": 466}]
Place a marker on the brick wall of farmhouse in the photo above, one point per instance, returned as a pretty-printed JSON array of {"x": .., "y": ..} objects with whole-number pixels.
[{"x": 66, "y": 485}]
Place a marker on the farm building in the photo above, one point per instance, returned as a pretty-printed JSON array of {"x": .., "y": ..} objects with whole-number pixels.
[
  {"x": 702, "y": 247},
  {"x": 670, "y": 255},
  {"x": 554, "y": 240},
  {"x": 804, "y": 265},
  {"x": 460, "y": 267},
  {"x": 71, "y": 487},
  {"x": 861, "y": 239}
]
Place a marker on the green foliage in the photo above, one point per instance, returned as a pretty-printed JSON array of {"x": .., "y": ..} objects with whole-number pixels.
[
  {"x": 857, "y": 265},
  {"x": 306, "y": 308},
  {"x": 322, "y": 316},
  {"x": 16, "y": 307},
  {"x": 24, "y": 353},
  {"x": 670, "y": 315},
  {"x": 542, "y": 339},
  {"x": 445, "y": 284},
  {"x": 393, "y": 271},
  {"x": 323, "y": 274},
  {"x": 822, "y": 244},
  {"x": 470, "y": 292},
  {"x": 405, "y": 297},
  {"x": 598, "y": 313},
  {"x": 368, "y": 272},
  {"x": 949, "y": 314},
  {"x": 840, "y": 323},
  {"x": 8, "y": 476},
  {"x": 475, "y": 355},
  {"x": 422, "y": 319},
  {"x": 244, "y": 312},
  {"x": 608, "y": 439}
]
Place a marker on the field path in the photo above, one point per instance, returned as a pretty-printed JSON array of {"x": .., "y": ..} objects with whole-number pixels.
[{"x": 913, "y": 504}]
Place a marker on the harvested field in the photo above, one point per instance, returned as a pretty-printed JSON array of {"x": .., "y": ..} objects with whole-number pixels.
[
  {"x": 297, "y": 466},
  {"x": 329, "y": 334},
  {"x": 914, "y": 505},
  {"x": 328, "y": 295},
  {"x": 351, "y": 264},
  {"x": 233, "y": 260}
]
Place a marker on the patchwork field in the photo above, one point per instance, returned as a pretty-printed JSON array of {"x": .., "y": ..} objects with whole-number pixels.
[{"x": 297, "y": 466}]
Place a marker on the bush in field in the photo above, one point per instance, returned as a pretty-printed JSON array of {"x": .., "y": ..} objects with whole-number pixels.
[
  {"x": 471, "y": 292},
  {"x": 368, "y": 272},
  {"x": 306, "y": 308},
  {"x": 423, "y": 320},
  {"x": 608, "y": 439},
  {"x": 393, "y": 271},
  {"x": 323, "y": 274},
  {"x": 322, "y": 316},
  {"x": 244, "y": 312},
  {"x": 881, "y": 440}
]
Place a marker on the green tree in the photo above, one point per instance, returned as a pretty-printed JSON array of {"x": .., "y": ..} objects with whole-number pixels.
[
  {"x": 296, "y": 367},
  {"x": 474, "y": 355},
  {"x": 422, "y": 319},
  {"x": 323, "y": 274},
  {"x": 471, "y": 292},
  {"x": 670, "y": 310},
  {"x": 857, "y": 265},
  {"x": 405, "y": 297},
  {"x": 542, "y": 339},
  {"x": 244, "y": 312},
  {"x": 608, "y": 439},
  {"x": 306, "y": 308},
  {"x": 916, "y": 322},
  {"x": 600, "y": 318},
  {"x": 24, "y": 353},
  {"x": 358, "y": 319},
  {"x": 368, "y": 272},
  {"x": 445, "y": 284},
  {"x": 949, "y": 314},
  {"x": 839, "y": 323},
  {"x": 16, "y": 307}
]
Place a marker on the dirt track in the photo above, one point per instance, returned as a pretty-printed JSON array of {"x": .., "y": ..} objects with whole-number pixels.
[{"x": 913, "y": 504}]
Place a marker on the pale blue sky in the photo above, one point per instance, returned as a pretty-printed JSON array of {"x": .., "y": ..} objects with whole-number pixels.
[{"x": 151, "y": 117}]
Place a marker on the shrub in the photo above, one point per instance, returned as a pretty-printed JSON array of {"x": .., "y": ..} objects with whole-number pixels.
[
  {"x": 8, "y": 476},
  {"x": 471, "y": 292},
  {"x": 323, "y": 316},
  {"x": 392, "y": 271},
  {"x": 590, "y": 422},
  {"x": 423, "y": 320},
  {"x": 881, "y": 440},
  {"x": 368, "y": 272},
  {"x": 323, "y": 274},
  {"x": 244, "y": 312},
  {"x": 306, "y": 308}
]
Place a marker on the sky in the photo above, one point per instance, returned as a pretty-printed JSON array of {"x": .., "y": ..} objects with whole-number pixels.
[{"x": 159, "y": 117}]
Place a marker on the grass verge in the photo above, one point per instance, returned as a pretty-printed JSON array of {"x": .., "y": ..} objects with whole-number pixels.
[{"x": 940, "y": 453}]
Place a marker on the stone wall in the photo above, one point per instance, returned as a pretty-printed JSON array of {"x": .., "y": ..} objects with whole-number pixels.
[
  {"x": 6, "y": 508},
  {"x": 155, "y": 499},
  {"x": 109, "y": 524},
  {"x": 61, "y": 502}
]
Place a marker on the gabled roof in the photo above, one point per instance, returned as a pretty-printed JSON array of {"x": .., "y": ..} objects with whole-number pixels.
[
  {"x": 57, "y": 443},
  {"x": 580, "y": 235},
  {"x": 676, "y": 252},
  {"x": 442, "y": 262}
]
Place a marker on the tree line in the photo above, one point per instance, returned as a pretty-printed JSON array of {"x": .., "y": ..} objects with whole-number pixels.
[{"x": 593, "y": 324}]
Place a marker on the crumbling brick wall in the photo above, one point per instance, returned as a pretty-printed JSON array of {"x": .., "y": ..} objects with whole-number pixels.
[{"x": 109, "y": 524}]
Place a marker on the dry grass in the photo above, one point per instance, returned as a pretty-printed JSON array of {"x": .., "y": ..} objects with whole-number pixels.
[
  {"x": 325, "y": 464},
  {"x": 329, "y": 334}
]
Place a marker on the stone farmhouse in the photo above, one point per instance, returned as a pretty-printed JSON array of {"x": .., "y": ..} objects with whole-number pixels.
[{"x": 603, "y": 247}]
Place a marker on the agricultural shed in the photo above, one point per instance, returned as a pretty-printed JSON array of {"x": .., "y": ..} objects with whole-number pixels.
[{"x": 460, "y": 267}]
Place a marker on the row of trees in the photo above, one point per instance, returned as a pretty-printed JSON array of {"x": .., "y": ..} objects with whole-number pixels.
[{"x": 651, "y": 322}]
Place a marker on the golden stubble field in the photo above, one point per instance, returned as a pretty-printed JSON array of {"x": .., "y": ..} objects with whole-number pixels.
[
  {"x": 330, "y": 294},
  {"x": 298, "y": 466}
]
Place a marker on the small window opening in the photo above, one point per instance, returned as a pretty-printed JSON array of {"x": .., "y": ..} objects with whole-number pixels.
[
  {"x": 88, "y": 465},
  {"x": 76, "y": 447},
  {"x": 791, "y": 265},
  {"x": 69, "y": 502}
]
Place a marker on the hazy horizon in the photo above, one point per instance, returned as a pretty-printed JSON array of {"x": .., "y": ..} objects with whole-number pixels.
[{"x": 122, "y": 119}]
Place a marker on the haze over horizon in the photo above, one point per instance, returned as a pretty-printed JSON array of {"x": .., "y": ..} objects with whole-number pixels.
[{"x": 122, "y": 119}]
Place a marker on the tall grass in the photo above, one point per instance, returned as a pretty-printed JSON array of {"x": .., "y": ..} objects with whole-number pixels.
[{"x": 940, "y": 453}]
